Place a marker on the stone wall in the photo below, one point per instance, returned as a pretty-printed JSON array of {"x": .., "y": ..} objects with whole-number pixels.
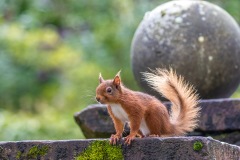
[{"x": 146, "y": 148}]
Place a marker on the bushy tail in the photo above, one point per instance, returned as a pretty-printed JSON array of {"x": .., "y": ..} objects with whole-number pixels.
[{"x": 184, "y": 110}]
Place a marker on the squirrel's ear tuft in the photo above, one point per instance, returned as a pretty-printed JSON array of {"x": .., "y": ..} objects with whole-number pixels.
[
  {"x": 100, "y": 78},
  {"x": 118, "y": 74},
  {"x": 117, "y": 79}
]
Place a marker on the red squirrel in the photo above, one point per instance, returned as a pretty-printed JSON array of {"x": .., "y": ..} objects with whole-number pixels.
[{"x": 147, "y": 116}]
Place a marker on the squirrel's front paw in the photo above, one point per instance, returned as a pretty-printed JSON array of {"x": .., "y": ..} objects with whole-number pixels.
[
  {"x": 129, "y": 139},
  {"x": 114, "y": 139}
]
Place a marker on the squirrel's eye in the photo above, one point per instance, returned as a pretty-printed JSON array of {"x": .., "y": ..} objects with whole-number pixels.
[{"x": 109, "y": 90}]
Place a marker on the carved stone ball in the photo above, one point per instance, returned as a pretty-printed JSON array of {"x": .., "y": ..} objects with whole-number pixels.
[{"x": 198, "y": 39}]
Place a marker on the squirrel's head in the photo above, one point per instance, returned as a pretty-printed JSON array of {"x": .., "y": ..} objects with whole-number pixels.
[{"x": 109, "y": 91}]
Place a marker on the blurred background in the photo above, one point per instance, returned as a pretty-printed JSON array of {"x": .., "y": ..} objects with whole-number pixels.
[{"x": 51, "y": 52}]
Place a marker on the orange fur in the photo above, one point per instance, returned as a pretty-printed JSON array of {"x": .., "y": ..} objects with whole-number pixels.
[{"x": 146, "y": 114}]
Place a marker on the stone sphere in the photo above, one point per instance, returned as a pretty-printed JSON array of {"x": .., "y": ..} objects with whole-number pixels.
[{"x": 198, "y": 39}]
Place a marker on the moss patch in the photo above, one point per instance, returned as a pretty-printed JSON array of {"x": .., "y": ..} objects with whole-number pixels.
[
  {"x": 197, "y": 146},
  {"x": 101, "y": 150},
  {"x": 33, "y": 153},
  {"x": 19, "y": 155}
]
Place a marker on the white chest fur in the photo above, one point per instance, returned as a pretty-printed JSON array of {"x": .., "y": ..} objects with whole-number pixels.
[
  {"x": 119, "y": 112},
  {"x": 144, "y": 128}
]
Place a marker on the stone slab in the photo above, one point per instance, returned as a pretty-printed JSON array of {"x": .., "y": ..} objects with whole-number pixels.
[
  {"x": 228, "y": 137},
  {"x": 145, "y": 148},
  {"x": 217, "y": 115},
  {"x": 95, "y": 121},
  {"x": 220, "y": 115}
]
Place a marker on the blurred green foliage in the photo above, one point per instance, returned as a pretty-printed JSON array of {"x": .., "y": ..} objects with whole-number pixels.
[
  {"x": 51, "y": 52},
  {"x": 33, "y": 63}
]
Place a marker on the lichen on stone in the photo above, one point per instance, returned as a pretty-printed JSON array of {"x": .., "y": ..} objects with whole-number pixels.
[
  {"x": 197, "y": 146},
  {"x": 101, "y": 150},
  {"x": 2, "y": 157}
]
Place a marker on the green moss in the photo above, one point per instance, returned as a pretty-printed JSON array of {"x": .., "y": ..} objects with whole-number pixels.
[
  {"x": 19, "y": 155},
  {"x": 101, "y": 150},
  {"x": 36, "y": 151},
  {"x": 197, "y": 146},
  {"x": 33, "y": 152}
]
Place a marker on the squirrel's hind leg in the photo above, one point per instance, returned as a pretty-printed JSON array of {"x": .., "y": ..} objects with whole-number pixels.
[{"x": 140, "y": 134}]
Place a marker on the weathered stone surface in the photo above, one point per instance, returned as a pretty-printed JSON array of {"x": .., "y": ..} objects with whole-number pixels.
[
  {"x": 95, "y": 121},
  {"x": 146, "y": 148},
  {"x": 216, "y": 115},
  {"x": 232, "y": 137},
  {"x": 198, "y": 39},
  {"x": 220, "y": 115}
]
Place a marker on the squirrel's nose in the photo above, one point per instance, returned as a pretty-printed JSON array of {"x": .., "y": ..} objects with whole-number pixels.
[{"x": 98, "y": 99}]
